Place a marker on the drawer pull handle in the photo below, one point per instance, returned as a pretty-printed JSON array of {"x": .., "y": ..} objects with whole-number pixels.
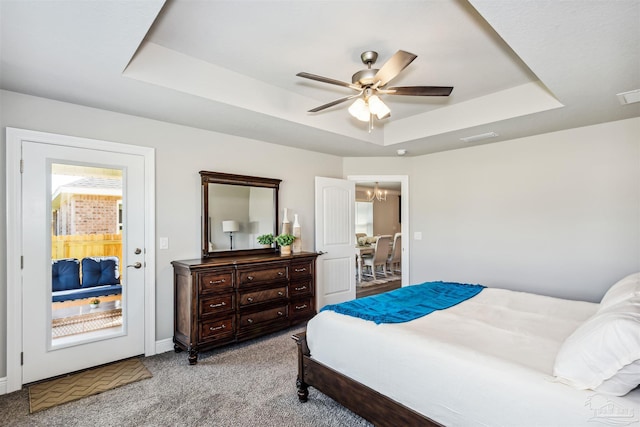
[
  {"x": 249, "y": 277},
  {"x": 222, "y": 304},
  {"x": 215, "y": 282},
  {"x": 280, "y": 313},
  {"x": 280, "y": 293},
  {"x": 300, "y": 270},
  {"x": 249, "y": 320},
  {"x": 217, "y": 328},
  {"x": 302, "y": 288},
  {"x": 280, "y": 273},
  {"x": 300, "y": 307},
  {"x": 249, "y": 299}
]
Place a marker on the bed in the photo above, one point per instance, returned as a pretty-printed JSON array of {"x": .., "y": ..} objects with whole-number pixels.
[{"x": 499, "y": 358}]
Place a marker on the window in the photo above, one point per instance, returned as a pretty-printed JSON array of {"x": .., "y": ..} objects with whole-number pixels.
[{"x": 364, "y": 218}]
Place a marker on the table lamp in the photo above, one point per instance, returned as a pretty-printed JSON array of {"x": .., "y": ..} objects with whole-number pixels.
[{"x": 229, "y": 226}]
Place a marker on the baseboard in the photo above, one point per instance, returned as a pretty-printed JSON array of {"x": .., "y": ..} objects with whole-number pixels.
[
  {"x": 164, "y": 345},
  {"x": 3, "y": 385}
]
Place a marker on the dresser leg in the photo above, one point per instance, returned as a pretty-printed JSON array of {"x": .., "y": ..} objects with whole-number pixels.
[
  {"x": 177, "y": 348},
  {"x": 193, "y": 357}
]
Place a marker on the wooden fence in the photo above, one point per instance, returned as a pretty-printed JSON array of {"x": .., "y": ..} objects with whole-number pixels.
[{"x": 86, "y": 245}]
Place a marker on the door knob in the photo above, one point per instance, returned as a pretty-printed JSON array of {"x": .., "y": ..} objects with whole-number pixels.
[{"x": 136, "y": 265}]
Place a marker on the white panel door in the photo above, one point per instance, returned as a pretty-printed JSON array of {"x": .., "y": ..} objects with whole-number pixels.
[
  {"x": 44, "y": 354},
  {"x": 335, "y": 239}
]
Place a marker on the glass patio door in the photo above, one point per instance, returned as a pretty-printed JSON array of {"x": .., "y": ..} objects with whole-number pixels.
[{"x": 83, "y": 274}]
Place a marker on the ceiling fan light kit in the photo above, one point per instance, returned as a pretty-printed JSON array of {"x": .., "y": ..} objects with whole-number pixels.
[
  {"x": 370, "y": 83},
  {"x": 360, "y": 110},
  {"x": 379, "y": 108}
]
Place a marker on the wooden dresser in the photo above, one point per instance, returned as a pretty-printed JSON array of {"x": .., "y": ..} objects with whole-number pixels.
[{"x": 219, "y": 301}]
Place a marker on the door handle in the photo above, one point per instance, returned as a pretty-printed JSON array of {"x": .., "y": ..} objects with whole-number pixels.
[{"x": 136, "y": 265}]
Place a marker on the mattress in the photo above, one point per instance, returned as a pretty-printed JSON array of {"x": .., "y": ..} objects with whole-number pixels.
[{"x": 487, "y": 361}]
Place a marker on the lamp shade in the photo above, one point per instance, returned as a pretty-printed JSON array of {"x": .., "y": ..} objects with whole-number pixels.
[
  {"x": 230, "y": 225},
  {"x": 378, "y": 107},
  {"x": 360, "y": 110}
]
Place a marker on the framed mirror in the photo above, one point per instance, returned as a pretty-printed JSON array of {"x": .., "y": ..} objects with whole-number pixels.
[{"x": 236, "y": 209}]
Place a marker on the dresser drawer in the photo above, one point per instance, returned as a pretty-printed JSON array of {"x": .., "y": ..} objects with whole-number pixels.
[
  {"x": 217, "y": 329},
  {"x": 301, "y": 269},
  {"x": 253, "y": 276},
  {"x": 215, "y": 305},
  {"x": 303, "y": 308},
  {"x": 300, "y": 288},
  {"x": 265, "y": 295},
  {"x": 215, "y": 281},
  {"x": 251, "y": 319}
]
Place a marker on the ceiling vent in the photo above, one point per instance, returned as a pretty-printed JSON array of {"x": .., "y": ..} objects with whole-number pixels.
[
  {"x": 480, "y": 137},
  {"x": 629, "y": 97}
]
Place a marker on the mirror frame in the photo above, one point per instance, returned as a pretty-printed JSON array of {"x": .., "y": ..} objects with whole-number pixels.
[{"x": 207, "y": 178}]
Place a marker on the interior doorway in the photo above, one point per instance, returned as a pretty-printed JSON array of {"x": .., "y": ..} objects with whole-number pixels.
[{"x": 385, "y": 197}]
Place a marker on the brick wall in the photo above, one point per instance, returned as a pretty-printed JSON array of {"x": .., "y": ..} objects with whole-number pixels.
[{"x": 88, "y": 214}]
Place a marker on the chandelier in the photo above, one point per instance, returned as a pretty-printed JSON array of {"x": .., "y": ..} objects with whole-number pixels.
[{"x": 377, "y": 194}]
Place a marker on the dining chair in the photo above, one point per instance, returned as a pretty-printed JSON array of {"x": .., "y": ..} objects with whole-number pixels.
[
  {"x": 379, "y": 257},
  {"x": 395, "y": 258}
]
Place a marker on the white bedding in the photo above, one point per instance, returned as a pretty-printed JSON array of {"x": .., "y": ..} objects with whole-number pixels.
[{"x": 486, "y": 362}]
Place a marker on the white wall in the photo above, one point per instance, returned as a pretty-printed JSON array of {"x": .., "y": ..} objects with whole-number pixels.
[
  {"x": 557, "y": 214},
  {"x": 181, "y": 152}
]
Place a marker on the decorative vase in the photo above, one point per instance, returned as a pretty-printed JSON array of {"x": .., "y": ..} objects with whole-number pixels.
[
  {"x": 266, "y": 246},
  {"x": 285, "y": 250},
  {"x": 297, "y": 232},
  {"x": 94, "y": 305},
  {"x": 286, "y": 225}
]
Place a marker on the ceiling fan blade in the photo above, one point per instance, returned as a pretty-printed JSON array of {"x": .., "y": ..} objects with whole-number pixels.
[
  {"x": 328, "y": 80},
  {"x": 336, "y": 102},
  {"x": 420, "y": 90},
  {"x": 393, "y": 67}
]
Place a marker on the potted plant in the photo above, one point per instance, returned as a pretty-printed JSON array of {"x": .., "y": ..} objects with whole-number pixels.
[
  {"x": 94, "y": 303},
  {"x": 266, "y": 240},
  {"x": 285, "y": 241}
]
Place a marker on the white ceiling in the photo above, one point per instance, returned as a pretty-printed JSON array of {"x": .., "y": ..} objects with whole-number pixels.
[{"x": 518, "y": 68}]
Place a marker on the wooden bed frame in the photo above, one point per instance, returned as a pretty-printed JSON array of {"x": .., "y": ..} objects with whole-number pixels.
[{"x": 362, "y": 400}]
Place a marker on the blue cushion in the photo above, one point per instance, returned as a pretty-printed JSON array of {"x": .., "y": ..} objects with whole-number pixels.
[
  {"x": 100, "y": 271},
  {"x": 65, "y": 274}
]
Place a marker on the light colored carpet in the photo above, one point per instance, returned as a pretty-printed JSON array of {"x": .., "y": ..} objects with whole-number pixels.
[
  {"x": 248, "y": 384},
  {"x": 66, "y": 389}
]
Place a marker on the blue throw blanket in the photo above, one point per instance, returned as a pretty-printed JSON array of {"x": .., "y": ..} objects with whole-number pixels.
[{"x": 408, "y": 303}]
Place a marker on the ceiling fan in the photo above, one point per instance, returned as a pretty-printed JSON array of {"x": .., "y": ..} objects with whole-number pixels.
[{"x": 370, "y": 83}]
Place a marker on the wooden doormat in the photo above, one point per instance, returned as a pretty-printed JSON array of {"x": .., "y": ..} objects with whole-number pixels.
[{"x": 86, "y": 383}]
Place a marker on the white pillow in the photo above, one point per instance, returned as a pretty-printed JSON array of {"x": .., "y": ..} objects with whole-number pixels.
[
  {"x": 600, "y": 348},
  {"x": 625, "y": 380},
  {"x": 624, "y": 289}
]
